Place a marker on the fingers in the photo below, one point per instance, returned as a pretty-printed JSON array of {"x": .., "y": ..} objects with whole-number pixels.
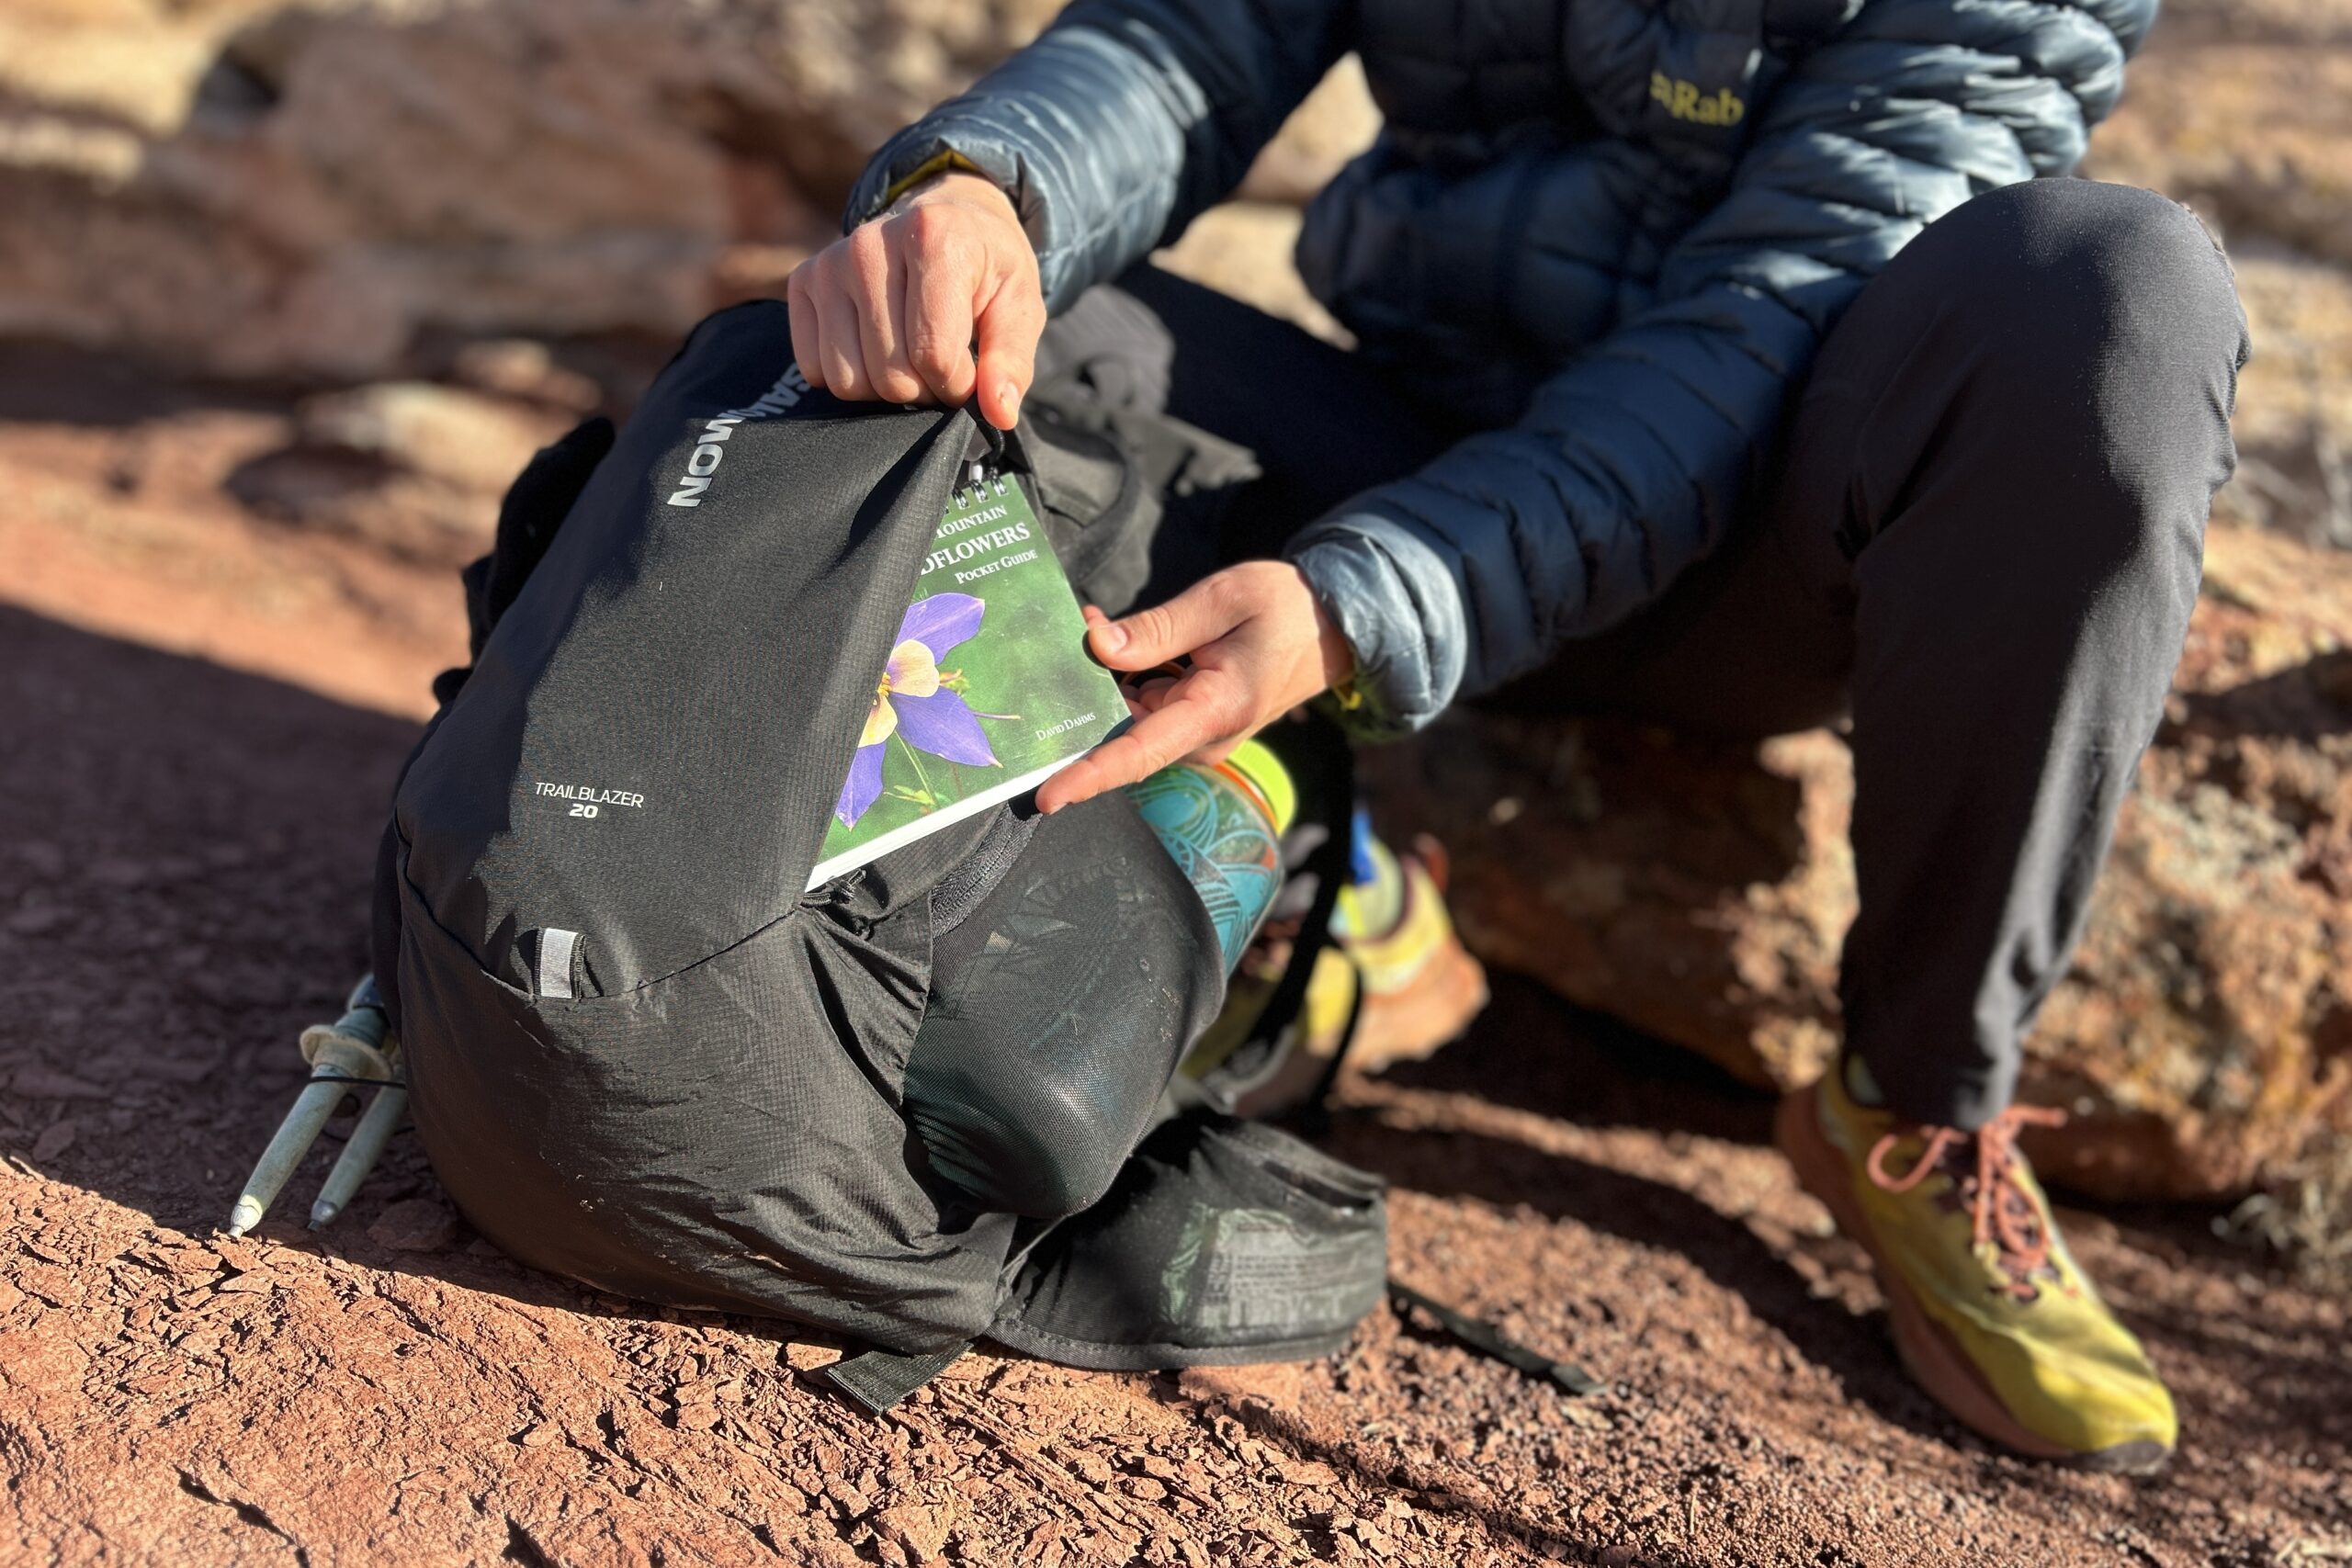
[
  {"x": 861, "y": 312},
  {"x": 807, "y": 327},
  {"x": 1202, "y": 711},
  {"x": 1008, "y": 326},
  {"x": 1152, "y": 695},
  {"x": 850, "y": 305},
  {"x": 842, "y": 356},
  {"x": 1251, "y": 633},
  {"x": 882, "y": 324},
  {"x": 892, "y": 310},
  {"x": 940, "y": 288},
  {"x": 1199, "y": 615}
]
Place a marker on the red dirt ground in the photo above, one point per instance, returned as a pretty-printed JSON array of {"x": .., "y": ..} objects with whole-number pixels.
[{"x": 183, "y": 864}]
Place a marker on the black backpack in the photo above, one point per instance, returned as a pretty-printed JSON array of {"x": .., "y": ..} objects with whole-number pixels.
[{"x": 640, "y": 1056}]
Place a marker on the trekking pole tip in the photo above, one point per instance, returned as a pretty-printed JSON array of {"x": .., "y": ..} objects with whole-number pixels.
[
  {"x": 360, "y": 1154},
  {"x": 245, "y": 1215}
]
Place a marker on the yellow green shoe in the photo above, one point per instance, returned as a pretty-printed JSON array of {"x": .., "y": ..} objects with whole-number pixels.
[
  {"x": 1990, "y": 1314},
  {"x": 1396, "y": 970},
  {"x": 1421, "y": 988}
]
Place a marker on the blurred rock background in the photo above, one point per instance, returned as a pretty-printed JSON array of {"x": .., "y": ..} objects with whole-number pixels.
[{"x": 288, "y": 288}]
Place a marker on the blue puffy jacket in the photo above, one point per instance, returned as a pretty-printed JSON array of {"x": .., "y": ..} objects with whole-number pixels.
[{"x": 1607, "y": 233}]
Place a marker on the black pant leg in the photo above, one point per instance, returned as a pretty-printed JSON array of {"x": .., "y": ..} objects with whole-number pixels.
[
  {"x": 1322, "y": 425},
  {"x": 1984, "y": 542},
  {"x": 2025, "y": 508}
]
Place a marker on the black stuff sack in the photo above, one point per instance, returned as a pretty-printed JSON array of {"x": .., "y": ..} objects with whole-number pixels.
[{"x": 643, "y": 1055}]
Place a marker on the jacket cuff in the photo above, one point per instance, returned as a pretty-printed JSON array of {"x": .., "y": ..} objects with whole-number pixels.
[
  {"x": 1393, "y": 598},
  {"x": 938, "y": 163},
  {"x": 928, "y": 147}
]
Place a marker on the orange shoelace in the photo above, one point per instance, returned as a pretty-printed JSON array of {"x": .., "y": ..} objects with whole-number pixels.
[{"x": 2006, "y": 1218}]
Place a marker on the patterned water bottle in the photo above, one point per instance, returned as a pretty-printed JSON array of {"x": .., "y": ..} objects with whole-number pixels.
[{"x": 1224, "y": 824}]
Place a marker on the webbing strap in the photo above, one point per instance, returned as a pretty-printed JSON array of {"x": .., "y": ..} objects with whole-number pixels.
[
  {"x": 879, "y": 1379},
  {"x": 1488, "y": 1341},
  {"x": 1315, "y": 1117}
]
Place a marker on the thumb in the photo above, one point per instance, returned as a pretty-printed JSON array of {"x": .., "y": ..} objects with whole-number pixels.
[{"x": 1197, "y": 617}]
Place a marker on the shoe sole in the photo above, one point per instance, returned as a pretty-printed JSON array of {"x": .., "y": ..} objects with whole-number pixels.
[{"x": 1928, "y": 1350}]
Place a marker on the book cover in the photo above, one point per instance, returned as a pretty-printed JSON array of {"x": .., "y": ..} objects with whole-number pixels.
[{"x": 988, "y": 692}]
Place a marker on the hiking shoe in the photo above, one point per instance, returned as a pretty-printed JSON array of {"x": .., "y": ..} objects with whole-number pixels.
[
  {"x": 1421, "y": 988},
  {"x": 1395, "y": 967},
  {"x": 1990, "y": 1314}
]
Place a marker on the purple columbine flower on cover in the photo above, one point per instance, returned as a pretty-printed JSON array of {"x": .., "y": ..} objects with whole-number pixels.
[{"x": 911, "y": 703}]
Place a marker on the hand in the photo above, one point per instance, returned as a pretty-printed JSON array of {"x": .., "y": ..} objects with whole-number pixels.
[
  {"x": 1260, "y": 646},
  {"x": 892, "y": 310}
]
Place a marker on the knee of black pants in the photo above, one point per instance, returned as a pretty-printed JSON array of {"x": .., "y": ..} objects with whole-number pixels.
[
  {"x": 2072, "y": 270},
  {"x": 2105, "y": 337}
]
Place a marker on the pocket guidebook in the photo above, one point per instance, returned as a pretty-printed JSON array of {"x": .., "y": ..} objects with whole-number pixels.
[{"x": 988, "y": 692}]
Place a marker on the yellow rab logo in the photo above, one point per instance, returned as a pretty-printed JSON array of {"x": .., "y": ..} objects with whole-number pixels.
[{"x": 1684, "y": 101}]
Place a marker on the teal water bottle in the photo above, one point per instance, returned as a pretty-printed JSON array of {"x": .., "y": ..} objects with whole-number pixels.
[{"x": 1222, "y": 823}]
